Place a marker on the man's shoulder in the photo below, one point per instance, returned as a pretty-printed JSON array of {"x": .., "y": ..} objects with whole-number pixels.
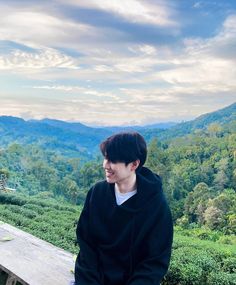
[
  {"x": 100, "y": 186},
  {"x": 99, "y": 192}
]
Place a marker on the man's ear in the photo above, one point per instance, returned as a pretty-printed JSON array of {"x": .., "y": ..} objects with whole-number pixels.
[{"x": 135, "y": 164}]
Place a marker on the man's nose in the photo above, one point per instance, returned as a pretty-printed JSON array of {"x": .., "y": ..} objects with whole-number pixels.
[{"x": 106, "y": 163}]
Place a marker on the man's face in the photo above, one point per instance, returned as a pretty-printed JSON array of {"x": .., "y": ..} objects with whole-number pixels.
[{"x": 118, "y": 172}]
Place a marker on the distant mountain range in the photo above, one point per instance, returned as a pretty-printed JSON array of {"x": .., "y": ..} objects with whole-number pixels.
[
  {"x": 161, "y": 126},
  {"x": 221, "y": 117},
  {"x": 76, "y": 139}
]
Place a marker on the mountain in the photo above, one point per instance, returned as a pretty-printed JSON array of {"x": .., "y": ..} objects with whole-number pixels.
[
  {"x": 74, "y": 127},
  {"x": 71, "y": 140},
  {"x": 78, "y": 140},
  {"x": 221, "y": 117},
  {"x": 160, "y": 126}
]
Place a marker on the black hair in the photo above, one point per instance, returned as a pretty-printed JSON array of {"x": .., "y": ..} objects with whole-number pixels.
[{"x": 125, "y": 147}]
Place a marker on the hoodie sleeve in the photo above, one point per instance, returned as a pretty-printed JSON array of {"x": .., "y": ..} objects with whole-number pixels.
[
  {"x": 86, "y": 265},
  {"x": 151, "y": 270}
]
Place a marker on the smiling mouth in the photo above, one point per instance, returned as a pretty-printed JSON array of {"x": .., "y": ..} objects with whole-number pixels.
[{"x": 109, "y": 173}]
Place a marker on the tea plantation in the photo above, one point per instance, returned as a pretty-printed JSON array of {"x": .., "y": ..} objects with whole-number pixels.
[{"x": 194, "y": 261}]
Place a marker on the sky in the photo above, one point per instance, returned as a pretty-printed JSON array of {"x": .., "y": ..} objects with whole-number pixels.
[{"x": 113, "y": 62}]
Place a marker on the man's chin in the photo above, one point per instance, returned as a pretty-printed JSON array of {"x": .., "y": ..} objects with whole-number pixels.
[{"x": 110, "y": 180}]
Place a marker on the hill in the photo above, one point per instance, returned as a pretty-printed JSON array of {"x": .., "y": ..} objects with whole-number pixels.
[
  {"x": 223, "y": 116},
  {"x": 78, "y": 140},
  {"x": 159, "y": 126},
  {"x": 66, "y": 138}
]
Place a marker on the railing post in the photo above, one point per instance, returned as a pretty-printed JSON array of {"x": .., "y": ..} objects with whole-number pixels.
[{"x": 11, "y": 280}]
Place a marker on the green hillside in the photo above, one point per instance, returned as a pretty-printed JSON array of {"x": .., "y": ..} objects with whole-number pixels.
[
  {"x": 199, "y": 180},
  {"x": 78, "y": 140},
  {"x": 194, "y": 261},
  {"x": 198, "y": 172},
  {"x": 199, "y": 177},
  {"x": 225, "y": 116},
  {"x": 71, "y": 140}
]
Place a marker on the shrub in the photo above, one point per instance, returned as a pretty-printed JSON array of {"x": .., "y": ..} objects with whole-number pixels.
[
  {"x": 229, "y": 264},
  {"x": 230, "y": 239},
  {"x": 190, "y": 266},
  {"x": 221, "y": 278}
]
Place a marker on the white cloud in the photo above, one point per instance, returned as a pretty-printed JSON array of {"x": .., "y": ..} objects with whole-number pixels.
[
  {"x": 113, "y": 81},
  {"x": 222, "y": 45},
  {"x": 204, "y": 65},
  {"x": 42, "y": 59},
  {"x": 82, "y": 91},
  {"x": 48, "y": 32},
  {"x": 206, "y": 71},
  {"x": 137, "y": 11},
  {"x": 147, "y": 49},
  {"x": 103, "y": 68},
  {"x": 58, "y": 87},
  {"x": 197, "y": 5},
  {"x": 229, "y": 24},
  {"x": 38, "y": 29},
  {"x": 133, "y": 65}
]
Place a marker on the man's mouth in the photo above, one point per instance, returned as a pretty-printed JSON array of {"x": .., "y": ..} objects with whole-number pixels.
[{"x": 109, "y": 173}]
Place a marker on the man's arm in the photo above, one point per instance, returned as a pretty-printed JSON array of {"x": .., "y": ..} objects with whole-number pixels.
[
  {"x": 86, "y": 265},
  {"x": 152, "y": 269}
]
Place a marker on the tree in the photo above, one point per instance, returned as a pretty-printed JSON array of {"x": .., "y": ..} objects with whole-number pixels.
[
  {"x": 4, "y": 174},
  {"x": 88, "y": 174},
  {"x": 71, "y": 189},
  {"x": 223, "y": 209},
  {"x": 221, "y": 180},
  {"x": 214, "y": 129},
  {"x": 44, "y": 173},
  {"x": 196, "y": 202},
  {"x": 157, "y": 158},
  {"x": 213, "y": 217}
]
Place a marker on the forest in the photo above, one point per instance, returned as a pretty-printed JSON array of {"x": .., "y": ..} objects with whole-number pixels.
[{"x": 198, "y": 173}]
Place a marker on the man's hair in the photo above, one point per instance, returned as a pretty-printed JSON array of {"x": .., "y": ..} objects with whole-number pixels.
[{"x": 125, "y": 147}]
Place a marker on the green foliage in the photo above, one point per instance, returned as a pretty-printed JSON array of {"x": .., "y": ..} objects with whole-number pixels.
[
  {"x": 199, "y": 177},
  {"x": 4, "y": 172},
  {"x": 35, "y": 171},
  {"x": 211, "y": 123},
  {"x": 191, "y": 266},
  {"x": 48, "y": 220},
  {"x": 219, "y": 278},
  {"x": 198, "y": 172},
  {"x": 196, "y": 262},
  {"x": 229, "y": 264},
  {"x": 197, "y": 163},
  {"x": 196, "y": 169},
  {"x": 204, "y": 233}
]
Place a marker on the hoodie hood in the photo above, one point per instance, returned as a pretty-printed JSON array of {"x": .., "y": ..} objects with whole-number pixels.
[{"x": 149, "y": 189}]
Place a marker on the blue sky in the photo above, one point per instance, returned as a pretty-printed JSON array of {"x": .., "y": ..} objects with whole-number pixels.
[{"x": 110, "y": 62}]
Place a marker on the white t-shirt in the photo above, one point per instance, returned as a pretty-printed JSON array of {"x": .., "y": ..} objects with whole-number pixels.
[{"x": 122, "y": 197}]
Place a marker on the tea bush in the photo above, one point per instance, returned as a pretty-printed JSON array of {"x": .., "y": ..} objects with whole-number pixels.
[{"x": 194, "y": 261}]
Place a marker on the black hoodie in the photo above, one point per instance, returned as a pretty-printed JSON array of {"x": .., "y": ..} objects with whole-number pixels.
[{"x": 128, "y": 244}]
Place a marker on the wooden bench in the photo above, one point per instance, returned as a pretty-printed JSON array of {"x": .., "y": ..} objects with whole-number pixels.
[{"x": 28, "y": 260}]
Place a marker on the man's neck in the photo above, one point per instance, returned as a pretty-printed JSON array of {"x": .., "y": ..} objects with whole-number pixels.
[{"x": 127, "y": 185}]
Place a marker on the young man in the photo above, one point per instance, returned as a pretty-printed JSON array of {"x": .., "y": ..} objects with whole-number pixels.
[{"x": 125, "y": 229}]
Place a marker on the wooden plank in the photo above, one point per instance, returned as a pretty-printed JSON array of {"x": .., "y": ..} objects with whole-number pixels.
[{"x": 33, "y": 260}]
